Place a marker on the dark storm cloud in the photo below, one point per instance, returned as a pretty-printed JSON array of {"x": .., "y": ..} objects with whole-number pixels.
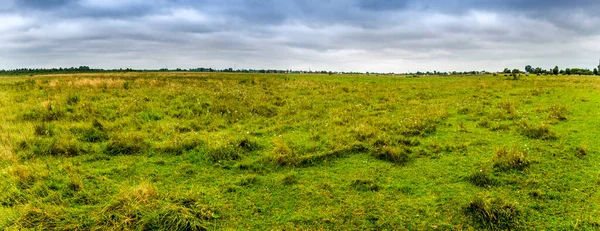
[{"x": 364, "y": 35}]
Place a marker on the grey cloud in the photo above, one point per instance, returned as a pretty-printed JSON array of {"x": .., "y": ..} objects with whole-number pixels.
[{"x": 368, "y": 35}]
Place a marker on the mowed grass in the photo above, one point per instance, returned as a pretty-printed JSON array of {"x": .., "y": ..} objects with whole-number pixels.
[{"x": 196, "y": 151}]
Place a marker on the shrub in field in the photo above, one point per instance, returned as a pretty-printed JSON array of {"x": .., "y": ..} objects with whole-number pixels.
[
  {"x": 540, "y": 132},
  {"x": 510, "y": 159},
  {"x": 494, "y": 214}
]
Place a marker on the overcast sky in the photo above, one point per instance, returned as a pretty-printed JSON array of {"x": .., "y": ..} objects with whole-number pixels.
[{"x": 339, "y": 35}]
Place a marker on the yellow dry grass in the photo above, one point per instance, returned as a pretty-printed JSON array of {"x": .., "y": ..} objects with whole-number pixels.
[{"x": 97, "y": 83}]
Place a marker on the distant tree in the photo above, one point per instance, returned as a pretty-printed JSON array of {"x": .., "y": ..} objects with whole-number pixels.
[
  {"x": 555, "y": 71},
  {"x": 595, "y": 71},
  {"x": 562, "y": 72},
  {"x": 506, "y": 71},
  {"x": 528, "y": 69},
  {"x": 516, "y": 73},
  {"x": 568, "y": 71}
]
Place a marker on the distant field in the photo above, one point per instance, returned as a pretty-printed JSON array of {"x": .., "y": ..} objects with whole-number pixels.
[{"x": 194, "y": 151}]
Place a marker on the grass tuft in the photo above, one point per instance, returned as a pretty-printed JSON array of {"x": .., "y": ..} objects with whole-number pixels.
[
  {"x": 494, "y": 214},
  {"x": 510, "y": 159},
  {"x": 558, "y": 112},
  {"x": 483, "y": 179},
  {"x": 396, "y": 155},
  {"x": 223, "y": 153},
  {"x": 540, "y": 132},
  {"x": 44, "y": 129},
  {"x": 581, "y": 151},
  {"x": 365, "y": 185},
  {"x": 289, "y": 179},
  {"x": 283, "y": 154},
  {"x": 126, "y": 144}
]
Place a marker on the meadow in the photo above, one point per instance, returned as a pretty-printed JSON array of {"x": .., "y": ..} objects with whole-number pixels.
[{"x": 212, "y": 151}]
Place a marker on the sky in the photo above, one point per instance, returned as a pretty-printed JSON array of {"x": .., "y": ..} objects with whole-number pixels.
[{"x": 337, "y": 35}]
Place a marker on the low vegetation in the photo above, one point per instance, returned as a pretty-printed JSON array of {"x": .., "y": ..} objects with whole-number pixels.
[{"x": 211, "y": 151}]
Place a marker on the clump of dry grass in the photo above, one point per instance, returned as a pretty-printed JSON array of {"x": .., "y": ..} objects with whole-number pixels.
[
  {"x": 537, "y": 131},
  {"x": 364, "y": 131},
  {"x": 510, "y": 159},
  {"x": 283, "y": 153},
  {"x": 558, "y": 112},
  {"x": 396, "y": 155},
  {"x": 98, "y": 83},
  {"x": 494, "y": 214},
  {"x": 144, "y": 208},
  {"x": 25, "y": 176}
]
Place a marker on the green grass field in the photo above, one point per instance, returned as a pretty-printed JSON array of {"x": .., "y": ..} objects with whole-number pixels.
[{"x": 194, "y": 151}]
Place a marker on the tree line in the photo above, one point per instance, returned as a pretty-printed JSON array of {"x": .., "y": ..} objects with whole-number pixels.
[
  {"x": 85, "y": 69},
  {"x": 554, "y": 71}
]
